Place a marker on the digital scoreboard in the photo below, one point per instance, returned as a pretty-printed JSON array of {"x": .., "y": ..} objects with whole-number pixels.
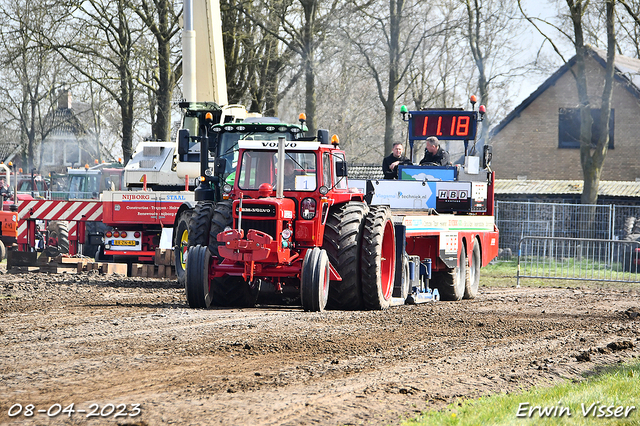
[{"x": 445, "y": 125}]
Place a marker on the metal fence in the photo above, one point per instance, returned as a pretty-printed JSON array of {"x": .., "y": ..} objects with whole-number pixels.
[
  {"x": 579, "y": 259},
  {"x": 516, "y": 220}
]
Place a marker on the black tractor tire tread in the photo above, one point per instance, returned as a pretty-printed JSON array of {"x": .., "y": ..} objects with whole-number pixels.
[
  {"x": 447, "y": 282},
  {"x": 183, "y": 222},
  {"x": 233, "y": 292},
  {"x": 220, "y": 219},
  {"x": 342, "y": 242},
  {"x": 372, "y": 240},
  {"x": 197, "y": 277},
  {"x": 61, "y": 230},
  {"x": 200, "y": 223}
]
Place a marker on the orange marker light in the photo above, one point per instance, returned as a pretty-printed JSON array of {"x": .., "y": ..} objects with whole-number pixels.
[{"x": 302, "y": 116}]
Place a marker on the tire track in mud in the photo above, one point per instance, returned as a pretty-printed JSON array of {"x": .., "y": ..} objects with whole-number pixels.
[{"x": 133, "y": 341}]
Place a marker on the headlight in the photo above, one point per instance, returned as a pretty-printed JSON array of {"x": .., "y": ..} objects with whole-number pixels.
[
  {"x": 286, "y": 234},
  {"x": 226, "y": 188},
  {"x": 308, "y": 208}
]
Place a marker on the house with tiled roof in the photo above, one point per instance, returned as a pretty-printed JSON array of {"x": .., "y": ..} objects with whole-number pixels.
[
  {"x": 538, "y": 139},
  {"x": 70, "y": 143}
]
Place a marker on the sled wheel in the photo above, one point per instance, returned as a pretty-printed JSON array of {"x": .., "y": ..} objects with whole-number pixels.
[
  {"x": 404, "y": 288},
  {"x": 200, "y": 223},
  {"x": 342, "y": 242},
  {"x": 378, "y": 258},
  {"x": 472, "y": 281},
  {"x": 59, "y": 236},
  {"x": 197, "y": 277},
  {"x": 221, "y": 218},
  {"x": 314, "y": 280},
  {"x": 181, "y": 244},
  {"x": 3, "y": 251},
  {"x": 451, "y": 283}
]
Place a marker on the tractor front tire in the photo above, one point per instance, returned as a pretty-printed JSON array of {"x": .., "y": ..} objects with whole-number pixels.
[
  {"x": 342, "y": 242},
  {"x": 3, "y": 251},
  {"x": 197, "y": 284},
  {"x": 314, "y": 280},
  {"x": 181, "y": 245},
  {"x": 378, "y": 259}
]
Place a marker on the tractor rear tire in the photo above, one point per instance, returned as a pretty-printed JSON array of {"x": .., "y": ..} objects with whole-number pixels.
[
  {"x": 59, "y": 232},
  {"x": 221, "y": 218},
  {"x": 472, "y": 281},
  {"x": 197, "y": 286},
  {"x": 378, "y": 258},
  {"x": 233, "y": 292},
  {"x": 200, "y": 223},
  {"x": 342, "y": 242},
  {"x": 181, "y": 245},
  {"x": 3, "y": 251},
  {"x": 451, "y": 283},
  {"x": 314, "y": 280}
]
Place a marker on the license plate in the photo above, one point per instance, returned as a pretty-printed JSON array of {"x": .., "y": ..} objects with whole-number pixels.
[{"x": 124, "y": 243}]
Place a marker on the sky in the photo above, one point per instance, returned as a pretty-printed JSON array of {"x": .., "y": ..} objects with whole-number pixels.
[{"x": 531, "y": 41}]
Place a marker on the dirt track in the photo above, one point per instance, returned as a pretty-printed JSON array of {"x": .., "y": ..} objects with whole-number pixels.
[{"x": 89, "y": 339}]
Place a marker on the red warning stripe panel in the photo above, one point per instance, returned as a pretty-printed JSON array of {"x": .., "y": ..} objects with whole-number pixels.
[
  {"x": 60, "y": 210},
  {"x": 71, "y": 211}
]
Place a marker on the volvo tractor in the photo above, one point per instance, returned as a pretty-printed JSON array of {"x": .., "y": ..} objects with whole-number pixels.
[{"x": 292, "y": 225}]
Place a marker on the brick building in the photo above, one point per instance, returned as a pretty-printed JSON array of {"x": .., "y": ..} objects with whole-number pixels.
[{"x": 537, "y": 140}]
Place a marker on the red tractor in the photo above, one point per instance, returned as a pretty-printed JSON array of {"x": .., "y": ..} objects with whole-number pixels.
[{"x": 291, "y": 226}]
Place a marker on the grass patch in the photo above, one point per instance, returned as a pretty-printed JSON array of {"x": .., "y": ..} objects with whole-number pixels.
[
  {"x": 616, "y": 387},
  {"x": 503, "y": 273}
]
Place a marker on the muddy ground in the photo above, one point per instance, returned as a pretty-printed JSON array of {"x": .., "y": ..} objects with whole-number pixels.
[{"x": 93, "y": 340}]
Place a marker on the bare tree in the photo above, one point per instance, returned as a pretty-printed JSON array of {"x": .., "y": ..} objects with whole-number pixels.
[
  {"x": 388, "y": 39},
  {"x": 591, "y": 157},
  {"x": 490, "y": 30},
  {"x": 31, "y": 75},
  {"x": 255, "y": 58},
  {"x": 99, "y": 41},
  {"x": 161, "y": 20},
  {"x": 303, "y": 26}
]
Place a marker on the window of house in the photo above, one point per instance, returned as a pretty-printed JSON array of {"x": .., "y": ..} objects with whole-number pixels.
[
  {"x": 569, "y": 127},
  {"x": 48, "y": 154},
  {"x": 72, "y": 154}
]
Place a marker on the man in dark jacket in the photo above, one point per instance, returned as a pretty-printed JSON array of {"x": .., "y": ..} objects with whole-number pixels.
[
  {"x": 392, "y": 161},
  {"x": 434, "y": 154}
]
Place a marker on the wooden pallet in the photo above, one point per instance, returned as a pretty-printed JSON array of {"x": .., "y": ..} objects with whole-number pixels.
[
  {"x": 163, "y": 266},
  {"x": 144, "y": 270},
  {"x": 164, "y": 257}
]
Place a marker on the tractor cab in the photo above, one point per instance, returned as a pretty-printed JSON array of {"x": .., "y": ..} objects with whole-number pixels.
[{"x": 272, "y": 223}]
